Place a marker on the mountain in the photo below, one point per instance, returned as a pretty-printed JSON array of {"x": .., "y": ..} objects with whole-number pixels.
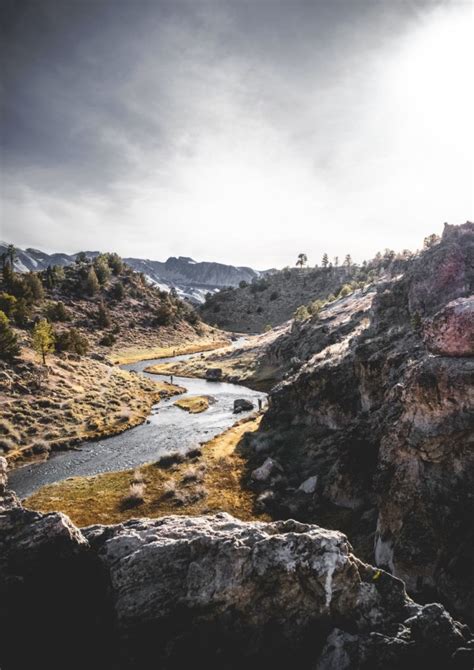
[{"x": 191, "y": 279}]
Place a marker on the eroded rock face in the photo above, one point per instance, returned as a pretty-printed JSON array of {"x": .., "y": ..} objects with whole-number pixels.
[
  {"x": 385, "y": 424},
  {"x": 181, "y": 592},
  {"x": 451, "y": 331}
]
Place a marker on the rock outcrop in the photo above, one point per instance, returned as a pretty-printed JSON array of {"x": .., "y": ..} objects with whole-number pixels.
[
  {"x": 208, "y": 592},
  {"x": 380, "y": 409}
]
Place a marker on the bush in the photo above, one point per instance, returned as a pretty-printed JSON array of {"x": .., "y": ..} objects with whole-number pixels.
[
  {"x": 35, "y": 286},
  {"x": 57, "y": 312},
  {"x": 72, "y": 341},
  {"x": 9, "y": 347},
  {"x": 345, "y": 291},
  {"x": 243, "y": 284},
  {"x": 117, "y": 292},
  {"x": 22, "y": 313},
  {"x": 316, "y": 306},
  {"x": 8, "y": 304},
  {"x": 91, "y": 283},
  {"x": 163, "y": 315},
  {"x": 108, "y": 340},
  {"x": 274, "y": 295},
  {"x": 103, "y": 316},
  {"x": 301, "y": 314},
  {"x": 115, "y": 263},
  {"x": 136, "y": 494}
]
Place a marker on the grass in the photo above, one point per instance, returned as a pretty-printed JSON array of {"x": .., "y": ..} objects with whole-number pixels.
[
  {"x": 132, "y": 355},
  {"x": 81, "y": 401},
  {"x": 194, "y": 404},
  {"x": 209, "y": 482}
]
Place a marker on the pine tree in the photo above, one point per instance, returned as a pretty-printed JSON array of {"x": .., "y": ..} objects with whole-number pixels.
[
  {"x": 325, "y": 261},
  {"x": 9, "y": 347},
  {"x": 103, "y": 317},
  {"x": 302, "y": 260},
  {"x": 348, "y": 262},
  {"x": 34, "y": 284},
  {"x": 43, "y": 339},
  {"x": 92, "y": 283}
]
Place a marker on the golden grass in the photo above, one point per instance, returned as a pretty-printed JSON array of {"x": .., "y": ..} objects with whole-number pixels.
[
  {"x": 209, "y": 483},
  {"x": 134, "y": 354},
  {"x": 80, "y": 400},
  {"x": 194, "y": 404}
]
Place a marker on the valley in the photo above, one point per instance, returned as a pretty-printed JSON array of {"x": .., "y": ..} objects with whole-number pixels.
[{"x": 355, "y": 439}]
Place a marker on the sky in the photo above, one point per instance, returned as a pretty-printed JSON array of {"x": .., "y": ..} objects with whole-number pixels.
[{"x": 237, "y": 131}]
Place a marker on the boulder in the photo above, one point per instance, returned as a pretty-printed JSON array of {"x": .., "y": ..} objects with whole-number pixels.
[
  {"x": 209, "y": 591},
  {"x": 309, "y": 485},
  {"x": 214, "y": 374},
  {"x": 451, "y": 330},
  {"x": 242, "y": 405},
  {"x": 266, "y": 471}
]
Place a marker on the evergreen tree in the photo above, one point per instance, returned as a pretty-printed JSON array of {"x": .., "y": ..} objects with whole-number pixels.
[
  {"x": 102, "y": 269},
  {"x": 115, "y": 263},
  {"x": 22, "y": 313},
  {"x": 9, "y": 347},
  {"x": 302, "y": 260},
  {"x": 92, "y": 283},
  {"x": 43, "y": 339},
  {"x": 33, "y": 282},
  {"x": 103, "y": 316},
  {"x": 8, "y": 304},
  {"x": 117, "y": 292},
  {"x": 325, "y": 261}
]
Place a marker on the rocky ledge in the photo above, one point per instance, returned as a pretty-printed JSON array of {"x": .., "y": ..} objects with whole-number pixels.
[
  {"x": 372, "y": 431},
  {"x": 209, "y": 591}
]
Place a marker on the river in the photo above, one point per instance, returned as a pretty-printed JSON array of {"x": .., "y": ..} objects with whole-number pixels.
[{"x": 167, "y": 429}]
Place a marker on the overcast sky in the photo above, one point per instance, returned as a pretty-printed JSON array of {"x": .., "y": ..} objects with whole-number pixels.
[{"x": 235, "y": 131}]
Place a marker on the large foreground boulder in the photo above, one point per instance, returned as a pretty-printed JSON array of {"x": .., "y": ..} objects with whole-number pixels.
[{"x": 208, "y": 591}]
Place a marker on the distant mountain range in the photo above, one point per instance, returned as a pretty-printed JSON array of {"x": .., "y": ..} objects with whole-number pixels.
[{"x": 191, "y": 279}]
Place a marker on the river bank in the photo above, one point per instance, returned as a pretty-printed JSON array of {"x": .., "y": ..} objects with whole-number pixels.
[{"x": 167, "y": 429}]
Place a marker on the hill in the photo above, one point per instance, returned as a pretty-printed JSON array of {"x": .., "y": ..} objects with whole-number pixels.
[
  {"x": 190, "y": 279},
  {"x": 95, "y": 313},
  {"x": 274, "y": 298}
]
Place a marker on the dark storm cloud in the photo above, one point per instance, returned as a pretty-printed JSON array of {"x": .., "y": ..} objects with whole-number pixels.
[
  {"x": 122, "y": 117},
  {"x": 76, "y": 98}
]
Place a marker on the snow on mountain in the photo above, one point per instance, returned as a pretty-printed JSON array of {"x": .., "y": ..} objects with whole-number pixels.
[{"x": 191, "y": 279}]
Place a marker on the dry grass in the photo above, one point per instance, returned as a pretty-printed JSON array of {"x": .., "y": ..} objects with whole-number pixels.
[
  {"x": 85, "y": 399},
  {"x": 194, "y": 404},
  {"x": 207, "y": 483},
  {"x": 134, "y": 354},
  {"x": 243, "y": 365}
]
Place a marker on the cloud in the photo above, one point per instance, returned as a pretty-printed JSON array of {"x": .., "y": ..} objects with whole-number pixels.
[{"x": 237, "y": 131}]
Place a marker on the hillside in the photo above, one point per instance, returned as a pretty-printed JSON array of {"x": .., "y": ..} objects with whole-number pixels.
[
  {"x": 93, "y": 314},
  {"x": 273, "y": 299},
  {"x": 189, "y": 278},
  {"x": 371, "y": 430}
]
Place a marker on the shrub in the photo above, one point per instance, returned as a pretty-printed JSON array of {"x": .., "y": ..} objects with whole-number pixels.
[
  {"x": 35, "y": 286},
  {"x": 22, "y": 313},
  {"x": 72, "y": 341},
  {"x": 345, "y": 291},
  {"x": 91, "y": 283},
  {"x": 115, "y": 263},
  {"x": 8, "y": 304},
  {"x": 102, "y": 269},
  {"x": 108, "y": 340},
  {"x": 316, "y": 306},
  {"x": 6, "y": 445},
  {"x": 267, "y": 328},
  {"x": 163, "y": 315},
  {"x": 136, "y": 494},
  {"x": 103, "y": 316},
  {"x": 117, "y": 291},
  {"x": 57, "y": 312},
  {"x": 9, "y": 347},
  {"x": 274, "y": 295},
  {"x": 301, "y": 314}
]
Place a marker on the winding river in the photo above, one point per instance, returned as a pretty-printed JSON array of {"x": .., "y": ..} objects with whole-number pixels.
[{"x": 168, "y": 428}]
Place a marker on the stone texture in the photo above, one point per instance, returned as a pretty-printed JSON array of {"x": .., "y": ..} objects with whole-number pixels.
[
  {"x": 451, "y": 331},
  {"x": 208, "y": 591},
  {"x": 385, "y": 424}
]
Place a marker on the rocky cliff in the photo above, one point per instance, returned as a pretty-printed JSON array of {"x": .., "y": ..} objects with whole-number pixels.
[
  {"x": 372, "y": 430},
  {"x": 207, "y": 591}
]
